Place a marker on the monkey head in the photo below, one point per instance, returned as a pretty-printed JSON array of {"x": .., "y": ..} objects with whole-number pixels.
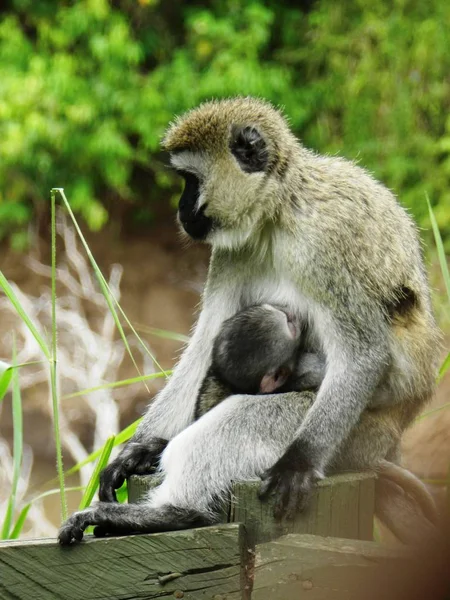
[
  {"x": 256, "y": 349},
  {"x": 232, "y": 154}
]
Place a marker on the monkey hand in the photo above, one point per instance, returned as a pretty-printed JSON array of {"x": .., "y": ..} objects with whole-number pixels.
[
  {"x": 135, "y": 459},
  {"x": 291, "y": 480},
  {"x": 75, "y": 525}
]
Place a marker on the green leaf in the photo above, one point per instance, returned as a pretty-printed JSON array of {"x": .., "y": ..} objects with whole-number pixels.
[
  {"x": 163, "y": 333},
  {"x": 433, "y": 411},
  {"x": 116, "y": 384},
  {"x": 444, "y": 367},
  {"x": 17, "y": 449},
  {"x": 93, "y": 482},
  {"x": 440, "y": 248},
  {"x": 53, "y": 369},
  {"x": 20, "y": 522},
  {"x": 120, "y": 438},
  {"x": 106, "y": 291},
  {"x": 23, "y": 315},
  {"x": 6, "y": 373},
  {"x": 122, "y": 493}
]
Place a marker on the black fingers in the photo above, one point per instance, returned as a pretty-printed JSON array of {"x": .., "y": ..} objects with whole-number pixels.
[
  {"x": 73, "y": 528},
  {"x": 291, "y": 481},
  {"x": 111, "y": 479},
  {"x": 135, "y": 459}
]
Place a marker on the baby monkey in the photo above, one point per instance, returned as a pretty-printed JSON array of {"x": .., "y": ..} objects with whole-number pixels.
[{"x": 263, "y": 349}]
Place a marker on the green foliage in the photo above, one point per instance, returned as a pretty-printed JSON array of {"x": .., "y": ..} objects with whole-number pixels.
[{"x": 88, "y": 87}]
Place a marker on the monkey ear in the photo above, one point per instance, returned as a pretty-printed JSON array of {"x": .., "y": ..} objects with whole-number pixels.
[
  {"x": 274, "y": 380},
  {"x": 249, "y": 148}
]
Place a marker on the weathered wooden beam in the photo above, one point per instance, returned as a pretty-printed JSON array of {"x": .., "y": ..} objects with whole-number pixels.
[
  {"x": 341, "y": 506},
  {"x": 138, "y": 486},
  {"x": 326, "y": 568},
  {"x": 193, "y": 564}
]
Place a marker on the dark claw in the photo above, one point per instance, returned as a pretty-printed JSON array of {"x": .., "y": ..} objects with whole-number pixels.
[
  {"x": 111, "y": 479},
  {"x": 290, "y": 481},
  {"x": 74, "y": 527},
  {"x": 65, "y": 536}
]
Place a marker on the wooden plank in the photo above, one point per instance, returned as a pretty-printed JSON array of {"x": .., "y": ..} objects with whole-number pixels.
[
  {"x": 319, "y": 568},
  {"x": 193, "y": 564},
  {"x": 138, "y": 486},
  {"x": 342, "y": 506}
]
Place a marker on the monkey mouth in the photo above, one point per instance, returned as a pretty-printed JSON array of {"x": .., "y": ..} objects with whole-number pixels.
[{"x": 197, "y": 225}]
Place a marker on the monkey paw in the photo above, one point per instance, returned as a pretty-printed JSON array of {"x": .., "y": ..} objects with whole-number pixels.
[
  {"x": 75, "y": 525},
  {"x": 291, "y": 480},
  {"x": 135, "y": 459}
]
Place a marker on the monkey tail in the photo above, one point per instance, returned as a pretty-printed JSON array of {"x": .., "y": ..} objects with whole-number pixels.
[{"x": 404, "y": 505}]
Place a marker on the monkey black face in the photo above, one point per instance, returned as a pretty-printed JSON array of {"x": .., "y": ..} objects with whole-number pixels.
[
  {"x": 249, "y": 149},
  {"x": 193, "y": 219}
]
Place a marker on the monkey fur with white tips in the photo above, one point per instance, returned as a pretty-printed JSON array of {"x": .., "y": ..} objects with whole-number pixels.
[{"x": 320, "y": 236}]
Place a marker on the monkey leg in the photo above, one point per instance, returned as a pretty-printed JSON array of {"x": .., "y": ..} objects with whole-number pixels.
[{"x": 239, "y": 439}]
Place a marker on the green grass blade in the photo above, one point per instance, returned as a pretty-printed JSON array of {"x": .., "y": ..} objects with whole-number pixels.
[
  {"x": 440, "y": 248},
  {"x": 53, "y": 369},
  {"x": 121, "y": 437},
  {"x": 162, "y": 333},
  {"x": 9, "y": 292},
  {"x": 116, "y": 384},
  {"x": 93, "y": 482},
  {"x": 20, "y": 522},
  {"x": 6, "y": 373},
  {"x": 432, "y": 411},
  {"x": 106, "y": 291},
  {"x": 442, "y": 371},
  {"x": 122, "y": 493},
  {"x": 17, "y": 448}
]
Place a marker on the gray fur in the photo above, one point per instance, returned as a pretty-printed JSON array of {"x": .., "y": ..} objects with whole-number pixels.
[
  {"x": 255, "y": 430},
  {"x": 322, "y": 237}
]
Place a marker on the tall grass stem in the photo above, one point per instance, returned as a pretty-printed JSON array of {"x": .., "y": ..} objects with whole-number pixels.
[{"x": 53, "y": 368}]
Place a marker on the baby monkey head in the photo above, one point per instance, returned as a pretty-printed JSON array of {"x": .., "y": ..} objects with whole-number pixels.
[
  {"x": 255, "y": 350},
  {"x": 231, "y": 154}
]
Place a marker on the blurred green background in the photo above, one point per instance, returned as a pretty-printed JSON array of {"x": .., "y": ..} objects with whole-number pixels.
[{"x": 88, "y": 87}]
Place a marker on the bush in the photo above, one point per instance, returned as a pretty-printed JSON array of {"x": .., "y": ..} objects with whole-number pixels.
[{"x": 88, "y": 87}]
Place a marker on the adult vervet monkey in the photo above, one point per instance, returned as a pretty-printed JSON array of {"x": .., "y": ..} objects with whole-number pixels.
[{"x": 322, "y": 237}]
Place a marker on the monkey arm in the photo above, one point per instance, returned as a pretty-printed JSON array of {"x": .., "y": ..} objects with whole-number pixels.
[
  {"x": 173, "y": 408},
  {"x": 354, "y": 371},
  {"x": 243, "y": 436}
]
